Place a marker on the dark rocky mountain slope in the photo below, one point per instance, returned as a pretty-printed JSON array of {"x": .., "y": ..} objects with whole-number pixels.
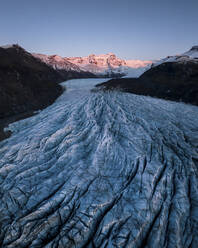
[{"x": 27, "y": 84}]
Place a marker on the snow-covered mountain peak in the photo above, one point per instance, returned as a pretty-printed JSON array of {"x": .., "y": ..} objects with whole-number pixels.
[
  {"x": 57, "y": 62},
  {"x": 192, "y": 53},
  {"x": 57, "y": 58},
  {"x": 7, "y": 46},
  {"x": 189, "y": 56},
  {"x": 111, "y": 54},
  {"x": 103, "y": 64},
  {"x": 194, "y": 48},
  {"x": 110, "y": 64},
  {"x": 13, "y": 46}
]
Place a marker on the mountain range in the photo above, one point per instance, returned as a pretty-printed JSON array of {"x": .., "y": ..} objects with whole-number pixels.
[{"x": 104, "y": 65}]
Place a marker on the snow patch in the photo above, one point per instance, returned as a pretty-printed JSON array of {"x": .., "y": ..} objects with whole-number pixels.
[{"x": 7, "y": 46}]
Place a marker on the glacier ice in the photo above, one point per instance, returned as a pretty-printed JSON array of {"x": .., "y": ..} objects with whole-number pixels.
[{"x": 105, "y": 169}]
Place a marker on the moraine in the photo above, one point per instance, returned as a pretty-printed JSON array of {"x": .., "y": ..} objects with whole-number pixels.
[{"x": 105, "y": 169}]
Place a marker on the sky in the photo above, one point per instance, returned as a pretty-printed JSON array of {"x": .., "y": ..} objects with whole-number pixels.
[{"x": 132, "y": 29}]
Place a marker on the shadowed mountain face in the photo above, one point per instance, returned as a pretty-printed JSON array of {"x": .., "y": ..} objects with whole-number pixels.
[
  {"x": 25, "y": 83},
  {"x": 101, "y": 170}
]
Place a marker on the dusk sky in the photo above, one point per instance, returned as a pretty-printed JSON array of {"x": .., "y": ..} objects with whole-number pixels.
[{"x": 132, "y": 29}]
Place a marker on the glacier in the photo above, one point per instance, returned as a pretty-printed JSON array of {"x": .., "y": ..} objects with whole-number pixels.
[{"x": 101, "y": 169}]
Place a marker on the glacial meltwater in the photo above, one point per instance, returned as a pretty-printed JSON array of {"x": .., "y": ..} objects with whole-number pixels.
[{"x": 101, "y": 169}]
